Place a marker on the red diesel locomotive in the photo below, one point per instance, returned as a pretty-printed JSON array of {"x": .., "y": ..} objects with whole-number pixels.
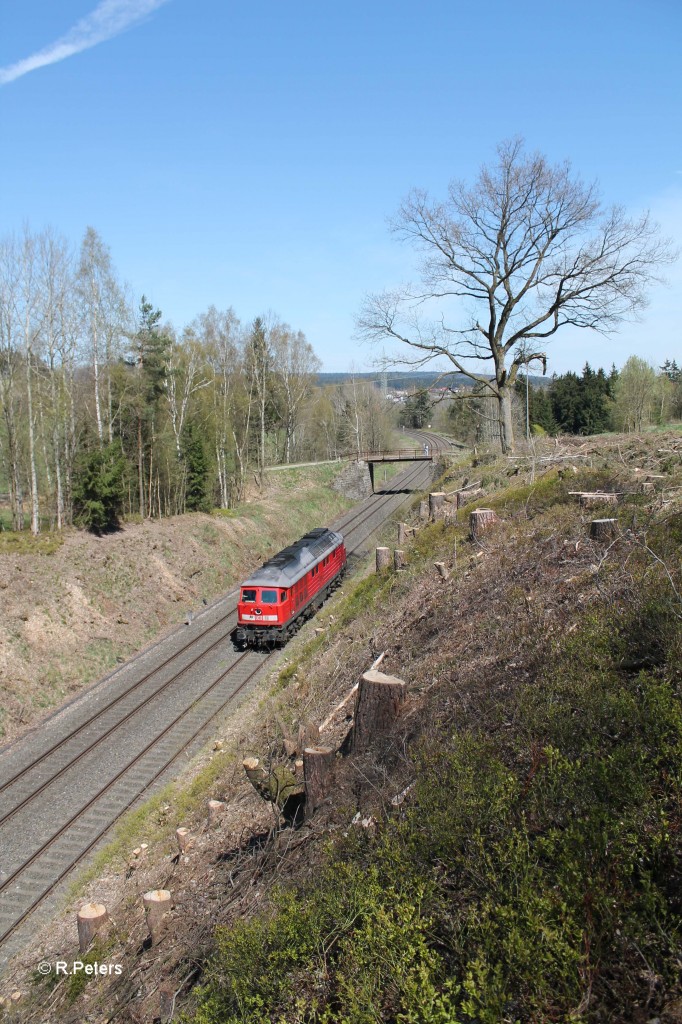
[{"x": 289, "y": 588}]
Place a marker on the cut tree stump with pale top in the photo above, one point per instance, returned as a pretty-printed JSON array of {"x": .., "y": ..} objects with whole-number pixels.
[
  {"x": 157, "y": 903},
  {"x": 318, "y": 765},
  {"x": 378, "y": 704},
  {"x": 481, "y": 521},
  {"x": 91, "y": 918}
]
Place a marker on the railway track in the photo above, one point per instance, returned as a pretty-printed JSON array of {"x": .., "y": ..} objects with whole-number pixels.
[{"x": 62, "y": 788}]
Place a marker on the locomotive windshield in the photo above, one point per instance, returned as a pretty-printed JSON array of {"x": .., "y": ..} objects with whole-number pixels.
[
  {"x": 248, "y": 595},
  {"x": 268, "y": 596}
]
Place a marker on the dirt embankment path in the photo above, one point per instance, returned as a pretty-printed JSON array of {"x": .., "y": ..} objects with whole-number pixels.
[{"x": 68, "y": 617}]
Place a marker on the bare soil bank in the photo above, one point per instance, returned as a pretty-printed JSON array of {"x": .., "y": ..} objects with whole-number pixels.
[{"x": 68, "y": 617}]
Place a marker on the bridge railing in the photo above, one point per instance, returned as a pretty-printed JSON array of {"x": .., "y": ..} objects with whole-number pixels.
[{"x": 394, "y": 455}]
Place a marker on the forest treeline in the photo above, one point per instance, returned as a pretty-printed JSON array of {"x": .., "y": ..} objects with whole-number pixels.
[
  {"x": 106, "y": 410},
  {"x": 631, "y": 399}
]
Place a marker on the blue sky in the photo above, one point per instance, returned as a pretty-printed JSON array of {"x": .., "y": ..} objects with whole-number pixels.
[{"x": 249, "y": 155}]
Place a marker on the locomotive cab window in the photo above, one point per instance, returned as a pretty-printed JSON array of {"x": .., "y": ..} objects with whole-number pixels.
[
  {"x": 269, "y": 596},
  {"x": 283, "y": 595},
  {"x": 248, "y": 595}
]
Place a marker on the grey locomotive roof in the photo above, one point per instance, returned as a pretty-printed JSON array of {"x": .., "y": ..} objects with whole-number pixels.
[{"x": 291, "y": 563}]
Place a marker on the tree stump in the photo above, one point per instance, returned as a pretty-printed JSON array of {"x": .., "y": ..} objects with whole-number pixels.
[
  {"x": 215, "y": 810},
  {"x": 318, "y": 765},
  {"x": 90, "y": 918},
  {"x": 157, "y": 903},
  {"x": 424, "y": 509},
  {"x": 398, "y": 559},
  {"x": 402, "y": 534},
  {"x": 481, "y": 521},
  {"x": 383, "y": 556},
  {"x": 291, "y": 746},
  {"x": 183, "y": 838},
  {"x": 166, "y": 1002},
  {"x": 377, "y": 706},
  {"x": 308, "y": 735},
  {"x": 603, "y": 529},
  {"x": 436, "y": 503},
  {"x": 255, "y": 773},
  {"x": 275, "y": 786},
  {"x": 647, "y": 487},
  {"x": 442, "y": 571}
]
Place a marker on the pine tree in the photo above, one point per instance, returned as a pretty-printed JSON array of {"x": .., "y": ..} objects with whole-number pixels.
[
  {"x": 198, "y": 469},
  {"x": 98, "y": 491}
]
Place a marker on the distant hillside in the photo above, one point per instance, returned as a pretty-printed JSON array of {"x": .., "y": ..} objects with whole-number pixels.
[{"x": 405, "y": 380}]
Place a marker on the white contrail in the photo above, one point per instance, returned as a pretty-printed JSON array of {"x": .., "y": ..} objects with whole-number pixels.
[{"x": 108, "y": 19}]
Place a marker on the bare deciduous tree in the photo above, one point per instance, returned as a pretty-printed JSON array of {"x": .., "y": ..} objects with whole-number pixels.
[
  {"x": 10, "y": 394},
  {"x": 105, "y": 319},
  {"x": 295, "y": 366},
  {"x": 220, "y": 335},
  {"x": 525, "y": 251}
]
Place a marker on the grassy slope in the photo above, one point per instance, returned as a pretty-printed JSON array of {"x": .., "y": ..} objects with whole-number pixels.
[{"x": 535, "y": 874}]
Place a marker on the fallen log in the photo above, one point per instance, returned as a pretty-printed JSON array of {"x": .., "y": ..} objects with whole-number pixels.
[
  {"x": 588, "y": 499},
  {"x": 475, "y": 486},
  {"x": 466, "y": 497}
]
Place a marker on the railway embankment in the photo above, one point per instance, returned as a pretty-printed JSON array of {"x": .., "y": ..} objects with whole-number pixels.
[
  {"x": 74, "y": 606},
  {"x": 509, "y": 849}
]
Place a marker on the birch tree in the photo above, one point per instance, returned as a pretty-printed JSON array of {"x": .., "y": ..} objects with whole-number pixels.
[
  {"x": 30, "y": 319},
  {"x": 258, "y": 369},
  {"x": 184, "y": 376},
  {"x": 220, "y": 333},
  {"x": 104, "y": 319},
  {"x": 295, "y": 366},
  {"x": 10, "y": 390},
  {"x": 56, "y": 283}
]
